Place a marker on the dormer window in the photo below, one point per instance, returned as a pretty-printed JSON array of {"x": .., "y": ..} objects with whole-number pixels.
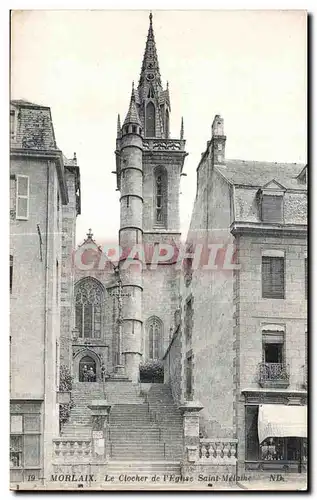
[{"x": 272, "y": 202}]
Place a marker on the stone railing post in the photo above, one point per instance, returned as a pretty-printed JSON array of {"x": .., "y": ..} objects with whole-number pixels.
[
  {"x": 190, "y": 410},
  {"x": 100, "y": 428}
]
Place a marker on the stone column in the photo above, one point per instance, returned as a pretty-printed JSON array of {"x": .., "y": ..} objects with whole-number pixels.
[
  {"x": 100, "y": 429},
  {"x": 190, "y": 410}
]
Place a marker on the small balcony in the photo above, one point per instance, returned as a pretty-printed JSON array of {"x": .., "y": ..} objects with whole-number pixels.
[{"x": 274, "y": 375}]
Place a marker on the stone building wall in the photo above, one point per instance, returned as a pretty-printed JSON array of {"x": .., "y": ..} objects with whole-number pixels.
[
  {"x": 160, "y": 299},
  {"x": 212, "y": 335},
  {"x": 173, "y": 367},
  {"x": 68, "y": 271}
]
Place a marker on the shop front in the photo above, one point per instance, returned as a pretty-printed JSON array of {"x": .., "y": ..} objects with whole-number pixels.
[{"x": 276, "y": 437}]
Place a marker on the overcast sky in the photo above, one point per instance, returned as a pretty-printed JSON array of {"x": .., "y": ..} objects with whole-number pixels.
[{"x": 248, "y": 66}]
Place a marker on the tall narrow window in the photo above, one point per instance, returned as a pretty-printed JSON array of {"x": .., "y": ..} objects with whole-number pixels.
[
  {"x": 167, "y": 124},
  {"x": 150, "y": 120},
  {"x": 188, "y": 327},
  {"x": 155, "y": 338},
  {"x": 89, "y": 299},
  {"x": 189, "y": 377},
  {"x": 58, "y": 203},
  {"x": 151, "y": 93},
  {"x": 57, "y": 282},
  {"x": 22, "y": 203},
  {"x": 273, "y": 282},
  {"x": 12, "y": 124},
  {"x": 11, "y": 272},
  {"x": 160, "y": 196},
  {"x": 306, "y": 279}
]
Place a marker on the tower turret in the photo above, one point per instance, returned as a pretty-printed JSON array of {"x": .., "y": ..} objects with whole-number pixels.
[
  {"x": 149, "y": 167},
  {"x": 130, "y": 171}
]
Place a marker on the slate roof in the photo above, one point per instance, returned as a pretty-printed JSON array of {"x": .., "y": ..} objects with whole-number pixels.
[{"x": 259, "y": 173}]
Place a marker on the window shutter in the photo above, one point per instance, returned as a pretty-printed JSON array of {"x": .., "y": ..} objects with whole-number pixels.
[
  {"x": 273, "y": 283},
  {"x": 269, "y": 337},
  {"x": 22, "y": 203},
  {"x": 266, "y": 277},
  {"x": 272, "y": 208},
  {"x": 277, "y": 272}
]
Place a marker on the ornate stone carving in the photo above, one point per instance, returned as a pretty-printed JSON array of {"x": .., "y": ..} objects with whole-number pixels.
[{"x": 89, "y": 293}]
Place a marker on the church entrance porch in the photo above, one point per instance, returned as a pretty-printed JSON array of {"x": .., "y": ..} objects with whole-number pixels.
[
  {"x": 89, "y": 364},
  {"x": 87, "y": 370}
]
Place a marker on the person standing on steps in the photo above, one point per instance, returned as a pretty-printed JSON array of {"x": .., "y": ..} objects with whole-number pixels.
[
  {"x": 91, "y": 375},
  {"x": 85, "y": 374}
]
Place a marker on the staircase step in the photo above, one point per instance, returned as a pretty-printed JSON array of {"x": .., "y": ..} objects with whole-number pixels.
[{"x": 144, "y": 429}]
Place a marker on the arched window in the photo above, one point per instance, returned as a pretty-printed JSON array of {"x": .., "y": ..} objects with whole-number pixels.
[
  {"x": 160, "y": 196},
  {"x": 88, "y": 300},
  {"x": 155, "y": 335},
  {"x": 150, "y": 120},
  {"x": 150, "y": 93},
  {"x": 167, "y": 124}
]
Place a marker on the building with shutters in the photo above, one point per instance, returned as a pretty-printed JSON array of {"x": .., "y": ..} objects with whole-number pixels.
[
  {"x": 244, "y": 345},
  {"x": 41, "y": 179}
]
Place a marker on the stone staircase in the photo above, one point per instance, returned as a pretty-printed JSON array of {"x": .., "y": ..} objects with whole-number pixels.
[{"x": 145, "y": 427}]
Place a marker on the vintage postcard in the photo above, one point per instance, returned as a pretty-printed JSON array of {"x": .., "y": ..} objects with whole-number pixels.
[{"x": 158, "y": 250}]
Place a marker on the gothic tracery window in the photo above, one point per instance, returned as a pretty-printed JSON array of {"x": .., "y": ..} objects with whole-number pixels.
[
  {"x": 88, "y": 300},
  {"x": 155, "y": 331}
]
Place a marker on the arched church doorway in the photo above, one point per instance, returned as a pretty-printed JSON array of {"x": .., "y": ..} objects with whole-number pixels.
[{"x": 87, "y": 369}]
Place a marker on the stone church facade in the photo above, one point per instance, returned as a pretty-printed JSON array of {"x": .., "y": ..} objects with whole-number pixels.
[{"x": 149, "y": 165}]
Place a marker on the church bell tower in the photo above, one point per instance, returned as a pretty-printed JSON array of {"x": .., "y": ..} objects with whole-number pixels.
[{"x": 149, "y": 165}]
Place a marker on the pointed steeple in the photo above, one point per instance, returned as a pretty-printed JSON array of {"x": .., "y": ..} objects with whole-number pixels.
[
  {"x": 182, "y": 129},
  {"x": 133, "y": 115},
  {"x": 118, "y": 124},
  {"x": 150, "y": 70}
]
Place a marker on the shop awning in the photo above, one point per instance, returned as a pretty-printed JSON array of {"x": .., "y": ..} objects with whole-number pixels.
[{"x": 282, "y": 421}]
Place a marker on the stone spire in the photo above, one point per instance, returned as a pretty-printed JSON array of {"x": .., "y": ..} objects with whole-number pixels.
[
  {"x": 118, "y": 126},
  {"x": 133, "y": 115},
  {"x": 182, "y": 129},
  {"x": 150, "y": 70}
]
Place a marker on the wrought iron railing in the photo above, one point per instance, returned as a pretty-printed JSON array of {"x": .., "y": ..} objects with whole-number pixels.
[{"x": 274, "y": 373}]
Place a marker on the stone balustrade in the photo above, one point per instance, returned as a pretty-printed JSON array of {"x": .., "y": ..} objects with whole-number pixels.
[
  {"x": 218, "y": 451},
  {"x": 70, "y": 449},
  {"x": 163, "y": 144}
]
